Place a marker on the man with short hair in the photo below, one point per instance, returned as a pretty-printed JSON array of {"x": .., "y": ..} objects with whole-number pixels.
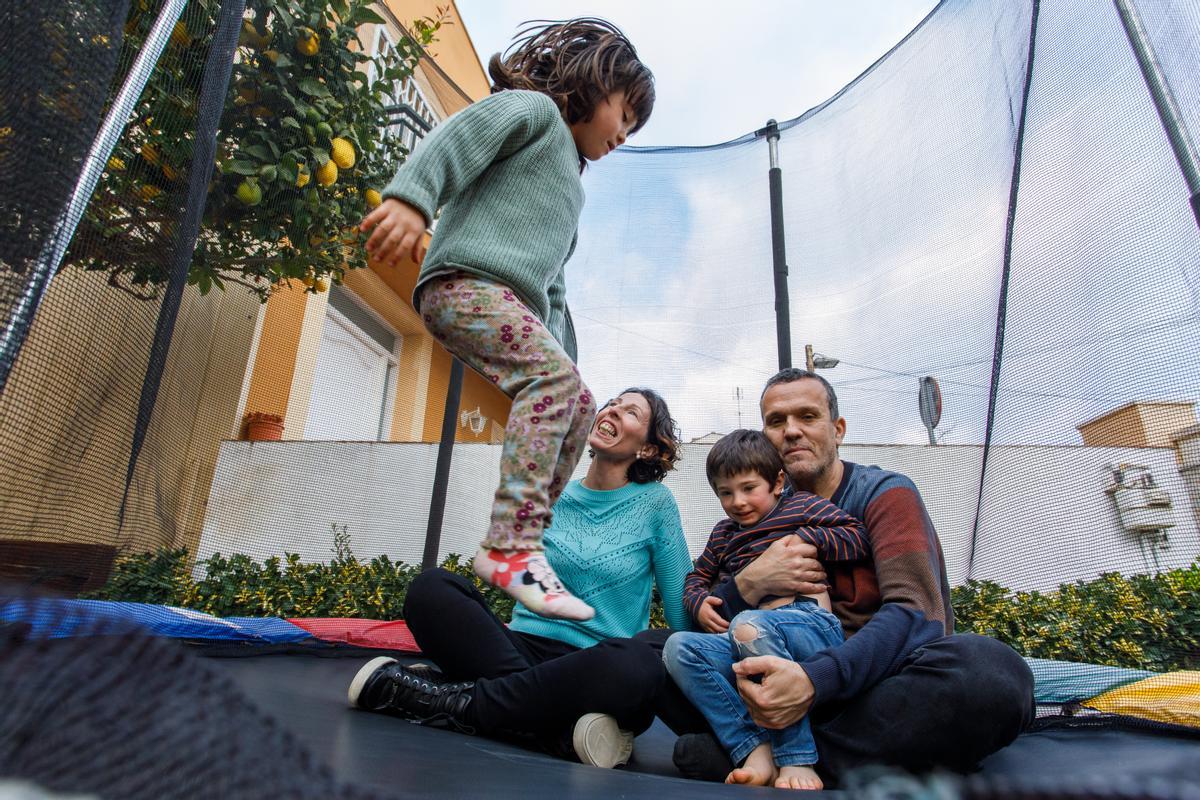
[{"x": 903, "y": 689}]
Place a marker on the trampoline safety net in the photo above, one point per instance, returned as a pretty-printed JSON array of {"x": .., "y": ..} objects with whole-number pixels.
[{"x": 210, "y": 399}]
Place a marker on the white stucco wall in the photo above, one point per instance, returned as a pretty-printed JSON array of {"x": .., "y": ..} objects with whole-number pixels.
[{"x": 1045, "y": 517}]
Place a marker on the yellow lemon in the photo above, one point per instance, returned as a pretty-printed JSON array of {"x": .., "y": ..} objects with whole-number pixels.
[
  {"x": 374, "y": 198},
  {"x": 342, "y": 153},
  {"x": 116, "y": 164},
  {"x": 249, "y": 193},
  {"x": 327, "y": 174},
  {"x": 150, "y": 153},
  {"x": 149, "y": 191},
  {"x": 249, "y": 37},
  {"x": 169, "y": 172},
  {"x": 309, "y": 278},
  {"x": 308, "y": 42},
  {"x": 302, "y": 178},
  {"x": 322, "y": 284}
]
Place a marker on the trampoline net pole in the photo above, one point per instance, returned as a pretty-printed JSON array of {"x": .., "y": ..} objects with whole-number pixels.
[
  {"x": 441, "y": 476},
  {"x": 1165, "y": 102}
]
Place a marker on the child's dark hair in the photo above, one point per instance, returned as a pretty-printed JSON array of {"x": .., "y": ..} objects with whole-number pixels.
[
  {"x": 743, "y": 451},
  {"x": 578, "y": 63}
]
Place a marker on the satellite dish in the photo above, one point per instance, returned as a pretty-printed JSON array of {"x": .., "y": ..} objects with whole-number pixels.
[{"x": 929, "y": 401}]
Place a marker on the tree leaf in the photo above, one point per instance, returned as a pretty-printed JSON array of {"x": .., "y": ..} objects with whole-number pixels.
[
  {"x": 365, "y": 14},
  {"x": 313, "y": 87},
  {"x": 242, "y": 167},
  {"x": 261, "y": 152}
]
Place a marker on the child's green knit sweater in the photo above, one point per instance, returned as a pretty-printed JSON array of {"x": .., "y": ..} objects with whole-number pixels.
[
  {"x": 610, "y": 548},
  {"x": 505, "y": 172}
]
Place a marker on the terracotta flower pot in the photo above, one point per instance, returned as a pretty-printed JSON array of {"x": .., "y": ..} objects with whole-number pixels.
[{"x": 261, "y": 427}]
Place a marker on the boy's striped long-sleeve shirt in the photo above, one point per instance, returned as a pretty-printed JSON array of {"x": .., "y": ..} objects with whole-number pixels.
[{"x": 836, "y": 535}]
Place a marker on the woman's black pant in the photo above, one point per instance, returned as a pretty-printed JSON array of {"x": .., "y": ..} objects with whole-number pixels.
[{"x": 528, "y": 684}]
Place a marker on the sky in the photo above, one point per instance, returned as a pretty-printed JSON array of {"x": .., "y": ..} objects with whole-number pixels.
[
  {"x": 722, "y": 70},
  {"x": 896, "y": 200}
]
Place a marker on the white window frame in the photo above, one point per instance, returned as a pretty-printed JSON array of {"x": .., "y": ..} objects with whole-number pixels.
[{"x": 410, "y": 92}]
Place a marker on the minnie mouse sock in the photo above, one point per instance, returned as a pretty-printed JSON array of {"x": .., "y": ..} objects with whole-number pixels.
[{"x": 526, "y": 576}]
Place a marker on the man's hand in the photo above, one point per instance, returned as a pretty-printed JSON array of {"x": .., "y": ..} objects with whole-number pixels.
[
  {"x": 709, "y": 618},
  {"x": 399, "y": 233},
  {"x": 788, "y": 566},
  {"x": 782, "y": 698}
]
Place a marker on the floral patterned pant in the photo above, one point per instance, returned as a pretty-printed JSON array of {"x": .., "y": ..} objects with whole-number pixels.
[{"x": 491, "y": 331}]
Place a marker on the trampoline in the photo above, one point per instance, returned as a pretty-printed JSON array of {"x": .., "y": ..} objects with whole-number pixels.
[
  {"x": 271, "y": 690},
  {"x": 306, "y": 694}
]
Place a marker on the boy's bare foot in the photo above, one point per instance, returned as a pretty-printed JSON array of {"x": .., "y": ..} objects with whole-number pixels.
[
  {"x": 797, "y": 777},
  {"x": 758, "y": 770}
]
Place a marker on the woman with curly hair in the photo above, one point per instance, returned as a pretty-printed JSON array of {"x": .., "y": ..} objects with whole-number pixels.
[{"x": 616, "y": 536}]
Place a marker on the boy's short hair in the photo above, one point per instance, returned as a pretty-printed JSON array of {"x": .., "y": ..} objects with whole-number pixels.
[{"x": 743, "y": 451}]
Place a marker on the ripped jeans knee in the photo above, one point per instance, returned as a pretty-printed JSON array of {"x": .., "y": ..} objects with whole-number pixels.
[
  {"x": 796, "y": 632},
  {"x": 749, "y": 637}
]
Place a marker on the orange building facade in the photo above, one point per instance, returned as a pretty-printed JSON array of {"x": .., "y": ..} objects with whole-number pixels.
[{"x": 356, "y": 363}]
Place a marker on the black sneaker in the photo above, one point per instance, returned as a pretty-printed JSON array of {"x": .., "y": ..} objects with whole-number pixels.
[
  {"x": 384, "y": 685},
  {"x": 700, "y": 757},
  {"x": 427, "y": 672}
]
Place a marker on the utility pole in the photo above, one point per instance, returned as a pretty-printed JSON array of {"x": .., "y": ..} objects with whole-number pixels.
[{"x": 815, "y": 361}]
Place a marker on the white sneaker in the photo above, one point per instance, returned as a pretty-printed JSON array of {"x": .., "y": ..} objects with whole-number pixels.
[{"x": 600, "y": 742}]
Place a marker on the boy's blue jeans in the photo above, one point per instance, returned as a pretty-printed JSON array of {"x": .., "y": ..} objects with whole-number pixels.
[{"x": 701, "y": 664}]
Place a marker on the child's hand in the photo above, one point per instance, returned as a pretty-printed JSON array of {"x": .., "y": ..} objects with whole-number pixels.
[
  {"x": 709, "y": 618},
  {"x": 399, "y": 233}
]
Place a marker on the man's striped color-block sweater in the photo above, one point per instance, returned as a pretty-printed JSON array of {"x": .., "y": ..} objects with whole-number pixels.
[{"x": 890, "y": 604}]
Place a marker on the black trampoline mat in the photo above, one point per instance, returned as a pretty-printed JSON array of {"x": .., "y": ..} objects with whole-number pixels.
[{"x": 307, "y": 695}]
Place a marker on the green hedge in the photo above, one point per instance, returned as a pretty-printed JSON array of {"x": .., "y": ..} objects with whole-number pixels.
[
  {"x": 279, "y": 587},
  {"x": 1141, "y": 621},
  {"x": 238, "y": 586}
]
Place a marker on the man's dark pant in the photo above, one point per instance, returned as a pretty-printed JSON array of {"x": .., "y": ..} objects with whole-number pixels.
[{"x": 953, "y": 702}]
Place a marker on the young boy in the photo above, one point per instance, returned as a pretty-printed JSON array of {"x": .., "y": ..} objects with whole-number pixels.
[{"x": 746, "y": 472}]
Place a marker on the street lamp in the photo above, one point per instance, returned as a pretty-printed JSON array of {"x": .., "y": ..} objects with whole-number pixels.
[{"x": 814, "y": 361}]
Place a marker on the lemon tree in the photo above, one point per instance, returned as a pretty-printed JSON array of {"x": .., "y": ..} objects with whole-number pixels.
[{"x": 302, "y": 149}]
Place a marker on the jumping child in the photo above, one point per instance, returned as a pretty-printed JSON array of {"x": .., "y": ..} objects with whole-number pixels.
[{"x": 505, "y": 173}]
